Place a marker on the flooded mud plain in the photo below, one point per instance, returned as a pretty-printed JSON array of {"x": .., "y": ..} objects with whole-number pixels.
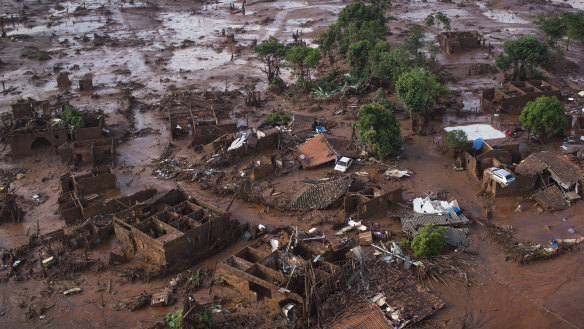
[{"x": 147, "y": 50}]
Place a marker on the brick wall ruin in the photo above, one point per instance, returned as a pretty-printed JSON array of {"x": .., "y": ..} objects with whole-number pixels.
[
  {"x": 457, "y": 42},
  {"x": 514, "y": 95},
  {"x": 170, "y": 235}
]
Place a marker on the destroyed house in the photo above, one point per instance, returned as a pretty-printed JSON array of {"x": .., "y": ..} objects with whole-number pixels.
[
  {"x": 243, "y": 142},
  {"x": 197, "y": 119},
  {"x": 82, "y": 195},
  {"x": 92, "y": 152},
  {"x": 286, "y": 268},
  {"x": 546, "y": 169},
  {"x": 514, "y": 95},
  {"x": 29, "y": 134},
  {"x": 500, "y": 153},
  {"x": 457, "y": 42},
  {"x": 172, "y": 235},
  {"x": 316, "y": 152},
  {"x": 370, "y": 202}
]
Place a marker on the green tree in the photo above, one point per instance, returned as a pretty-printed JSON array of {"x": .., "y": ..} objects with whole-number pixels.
[
  {"x": 328, "y": 42},
  {"x": 574, "y": 26},
  {"x": 553, "y": 27},
  {"x": 441, "y": 18},
  {"x": 418, "y": 90},
  {"x": 430, "y": 241},
  {"x": 271, "y": 53},
  {"x": 304, "y": 59},
  {"x": 358, "y": 56},
  {"x": 544, "y": 117},
  {"x": 413, "y": 41},
  {"x": 379, "y": 128},
  {"x": 456, "y": 139},
  {"x": 355, "y": 22},
  {"x": 430, "y": 20},
  {"x": 521, "y": 55}
]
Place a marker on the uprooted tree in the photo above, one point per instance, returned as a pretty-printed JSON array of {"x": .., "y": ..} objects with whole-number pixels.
[
  {"x": 379, "y": 128},
  {"x": 522, "y": 56},
  {"x": 544, "y": 117},
  {"x": 418, "y": 90}
]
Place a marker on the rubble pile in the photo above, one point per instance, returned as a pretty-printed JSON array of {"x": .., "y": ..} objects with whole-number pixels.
[{"x": 524, "y": 252}]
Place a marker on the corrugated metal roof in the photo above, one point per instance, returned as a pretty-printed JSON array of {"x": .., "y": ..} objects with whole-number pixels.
[
  {"x": 316, "y": 152},
  {"x": 411, "y": 222},
  {"x": 456, "y": 237}
]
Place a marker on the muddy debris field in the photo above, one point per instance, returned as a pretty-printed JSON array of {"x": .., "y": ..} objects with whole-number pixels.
[{"x": 291, "y": 164}]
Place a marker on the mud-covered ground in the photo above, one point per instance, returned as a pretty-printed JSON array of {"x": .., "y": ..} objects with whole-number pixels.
[{"x": 147, "y": 49}]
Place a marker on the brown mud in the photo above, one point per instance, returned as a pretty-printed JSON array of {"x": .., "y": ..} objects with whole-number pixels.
[{"x": 151, "y": 49}]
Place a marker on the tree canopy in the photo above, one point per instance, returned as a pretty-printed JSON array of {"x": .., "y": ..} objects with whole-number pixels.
[
  {"x": 379, "y": 128},
  {"x": 544, "y": 117},
  {"x": 521, "y": 55},
  {"x": 356, "y": 22},
  {"x": 271, "y": 53},
  {"x": 271, "y": 48},
  {"x": 568, "y": 25},
  {"x": 430, "y": 242},
  {"x": 456, "y": 139},
  {"x": 418, "y": 90}
]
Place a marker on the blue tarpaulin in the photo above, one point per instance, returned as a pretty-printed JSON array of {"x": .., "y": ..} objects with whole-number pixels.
[
  {"x": 320, "y": 129},
  {"x": 477, "y": 144}
]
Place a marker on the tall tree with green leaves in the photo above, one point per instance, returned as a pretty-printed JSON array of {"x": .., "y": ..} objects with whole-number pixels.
[
  {"x": 522, "y": 55},
  {"x": 418, "y": 90},
  {"x": 574, "y": 26},
  {"x": 553, "y": 28},
  {"x": 355, "y": 22},
  {"x": 271, "y": 53},
  {"x": 380, "y": 128},
  {"x": 544, "y": 117},
  {"x": 441, "y": 18},
  {"x": 304, "y": 59},
  {"x": 358, "y": 56}
]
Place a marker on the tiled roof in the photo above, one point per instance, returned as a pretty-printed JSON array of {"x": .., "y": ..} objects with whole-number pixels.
[
  {"x": 562, "y": 170},
  {"x": 316, "y": 152},
  {"x": 551, "y": 198}
]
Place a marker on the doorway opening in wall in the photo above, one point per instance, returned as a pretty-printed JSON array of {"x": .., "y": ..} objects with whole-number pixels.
[{"x": 40, "y": 144}]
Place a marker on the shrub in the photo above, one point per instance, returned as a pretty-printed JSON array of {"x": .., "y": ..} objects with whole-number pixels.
[
  {"x": 456, "y": 139},
  {"x": 174, "y": 320},
  {"x": 197, "y": 278},
  {"x": 430, "y": 242},
  {"x": 277, "y": 85},
  {"x": 72, "y": 116},
  {"x": 404, "y": 243},
  {"x": 206, "y": 317},
  {"x": 278, "y": 117},
  {"x": 39, "y": 54}
]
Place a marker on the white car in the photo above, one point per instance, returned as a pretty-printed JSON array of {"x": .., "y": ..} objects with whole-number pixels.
[
  {"x": 502, "y": 176},
  {"x": 343, "y": 164}
]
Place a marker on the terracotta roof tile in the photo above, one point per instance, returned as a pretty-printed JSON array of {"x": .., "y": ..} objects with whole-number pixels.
[{"x": 316, "y": 152}]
